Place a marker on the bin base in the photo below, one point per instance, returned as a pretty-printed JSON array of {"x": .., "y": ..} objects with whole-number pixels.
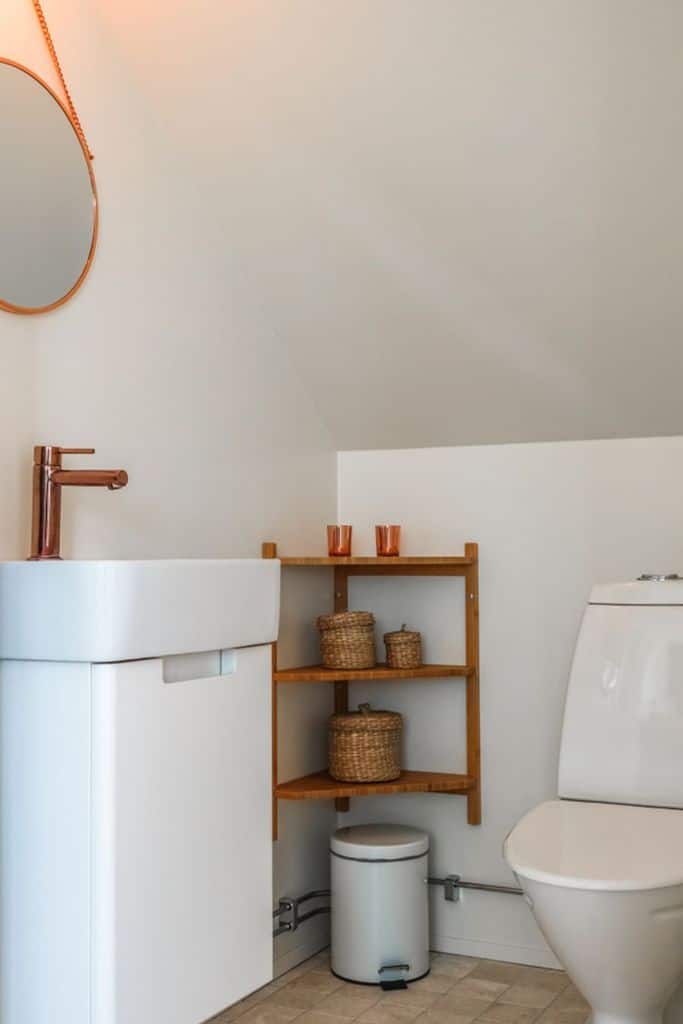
[{"x": 375, "y": 984}]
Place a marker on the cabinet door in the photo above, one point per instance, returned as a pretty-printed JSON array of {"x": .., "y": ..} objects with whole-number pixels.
[{"x": 182, "y": 851}]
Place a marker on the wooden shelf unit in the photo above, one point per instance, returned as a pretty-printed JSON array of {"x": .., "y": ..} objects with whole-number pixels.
[{"x": 320, "y": 785}]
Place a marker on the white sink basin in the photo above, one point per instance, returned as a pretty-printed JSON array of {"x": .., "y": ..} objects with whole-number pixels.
[{"x": 119, "y": 611}]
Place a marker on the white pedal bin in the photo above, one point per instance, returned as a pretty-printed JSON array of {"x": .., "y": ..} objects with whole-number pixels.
[{"x": 380, "y": 906}]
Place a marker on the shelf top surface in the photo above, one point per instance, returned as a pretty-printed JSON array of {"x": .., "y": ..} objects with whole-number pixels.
[
  {"x": 373, "y": 561},
  {"x": 317, "y": 673},
  {"x": 320, "y": 785}
]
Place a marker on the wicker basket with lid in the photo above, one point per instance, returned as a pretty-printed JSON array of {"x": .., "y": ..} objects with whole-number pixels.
[
  {"x": 404, "y": 648},
  {"x": 347, "y": 640},
  {"x": 365, "y": 745}
]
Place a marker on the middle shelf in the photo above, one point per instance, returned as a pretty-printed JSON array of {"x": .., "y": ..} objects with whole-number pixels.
[
  {"x": 320, "y": 674},
  {"x": 321, "y": 786}
]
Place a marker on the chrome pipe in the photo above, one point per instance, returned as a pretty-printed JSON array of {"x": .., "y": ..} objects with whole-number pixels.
[
  {"x": 452, "y": 884},
  {"x": 290, "y": 905},
  {"x": 511, "y": 890},
  {"x": 314, "y": 913}
]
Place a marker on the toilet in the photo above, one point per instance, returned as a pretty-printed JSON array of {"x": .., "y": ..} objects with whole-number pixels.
[{"x": 602, "y": 866}]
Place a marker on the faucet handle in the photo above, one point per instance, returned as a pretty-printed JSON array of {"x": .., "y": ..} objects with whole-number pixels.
[{"x": 51, "y": 454}]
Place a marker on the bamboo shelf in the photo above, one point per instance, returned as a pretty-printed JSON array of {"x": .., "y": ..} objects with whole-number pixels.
[
  {"x": 320, "y": 785},
  {"x": 320, "y": 674},
  {"x": 427, "y": 564}
]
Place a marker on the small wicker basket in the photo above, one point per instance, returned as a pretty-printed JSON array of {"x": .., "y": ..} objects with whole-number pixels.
[
  {"x": 404, "y": 648},
  {"x": 365, "y": 745},
  {"x": 347, "y": 640}
]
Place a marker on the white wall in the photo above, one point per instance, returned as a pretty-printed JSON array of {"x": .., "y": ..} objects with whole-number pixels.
[
  {"x": 550, "y": 519},
  {"x": 467, "y": 213},
  {"x": 165, "y": 361},
  {"x": 172, "y": 368}
]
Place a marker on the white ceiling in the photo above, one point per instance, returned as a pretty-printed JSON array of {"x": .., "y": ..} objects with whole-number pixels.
[{"x": 463, "y": 218}]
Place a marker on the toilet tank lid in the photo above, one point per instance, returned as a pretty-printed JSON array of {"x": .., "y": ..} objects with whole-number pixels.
[
  {"x": 656, "y": 590},
  {"x": 379, "y": 842}
]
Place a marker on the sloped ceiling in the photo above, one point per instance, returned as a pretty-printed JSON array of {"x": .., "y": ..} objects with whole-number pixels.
[{"x": 462, "y": 218}]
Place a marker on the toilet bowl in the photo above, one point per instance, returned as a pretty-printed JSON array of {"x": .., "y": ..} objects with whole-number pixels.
[
  {"x": 602, "y": 867},
  {"x": 605, "y": 883}
]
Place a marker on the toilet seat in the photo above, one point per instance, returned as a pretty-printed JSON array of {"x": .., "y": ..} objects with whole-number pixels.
[{"x": 609, "y": 847}]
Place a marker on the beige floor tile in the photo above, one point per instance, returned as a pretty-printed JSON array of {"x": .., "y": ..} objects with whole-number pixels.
[
  {"x": 350, "y": 1004},
  {"x": 457, "y": 990},
  {"x": 296, "y": 998},
  {"x": 239, "y": 1009},
  {"x": 508, "y": 1013},
  {"x": 273, "y": 986},
  {"x": 321, "y": 980},
  {"x": 409, "y": 997},
  {"x": 462, "y": 1002},
  {"x": 439, "y": 984},
  {"x": 267, "y": 1014},
  {"x": 384, "y": 1012},
  {"x": 493, "y": 970},
  {"x": 316, "y": 1017},
  {"x": 528, "y": 995},
  {"x": 296, "y": 972},
  {"x": 569, "y": 999},
  {"x": 447, "y": 1016},
  {"x": 564, "y": 1015},
  {"x": 543, "y": 977},
  {"x": 483, "y": 987},
  {"x": 453, "y": 966}
]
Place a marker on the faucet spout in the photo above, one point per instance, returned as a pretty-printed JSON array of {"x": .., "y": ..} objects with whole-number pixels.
[
  {"x": 112, "y": 479},
  {"x": 48, "y": 479}
]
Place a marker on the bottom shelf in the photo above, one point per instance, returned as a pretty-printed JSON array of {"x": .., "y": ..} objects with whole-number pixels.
[{"x": 321, "y": 786}]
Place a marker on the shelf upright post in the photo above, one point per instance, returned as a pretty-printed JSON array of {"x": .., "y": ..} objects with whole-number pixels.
[
  {"x": 269, "y": 550},
  {"x": 341, "y": 688},
  {"x": 472, "y": 648}
]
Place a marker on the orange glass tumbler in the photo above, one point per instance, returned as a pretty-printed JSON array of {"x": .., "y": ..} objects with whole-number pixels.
[
  {"x": 388, "y": 540},
  {"x": 339, "y": 541}
]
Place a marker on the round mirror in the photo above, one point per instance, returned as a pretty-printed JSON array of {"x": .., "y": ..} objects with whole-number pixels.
[{"x": 48, "y": 200}]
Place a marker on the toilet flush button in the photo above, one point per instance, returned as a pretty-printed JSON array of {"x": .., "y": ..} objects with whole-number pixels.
[{"x": 659, "y": 577}]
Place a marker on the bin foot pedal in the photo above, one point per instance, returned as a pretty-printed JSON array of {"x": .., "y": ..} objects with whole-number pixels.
[{"x": 390, "y": 984}]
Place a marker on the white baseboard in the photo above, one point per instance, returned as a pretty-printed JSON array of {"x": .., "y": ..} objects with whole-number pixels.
[{"x": 532, "y": 956}]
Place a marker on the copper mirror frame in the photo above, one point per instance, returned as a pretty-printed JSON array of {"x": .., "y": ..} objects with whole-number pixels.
[{"x": 28, "y": 310}]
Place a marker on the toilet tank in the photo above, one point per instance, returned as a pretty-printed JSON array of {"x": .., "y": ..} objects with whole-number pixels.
[{"x": 622, "y": 735}]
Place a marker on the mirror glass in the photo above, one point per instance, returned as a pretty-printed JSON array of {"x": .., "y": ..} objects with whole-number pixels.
[{"x": 48, "y": 201}]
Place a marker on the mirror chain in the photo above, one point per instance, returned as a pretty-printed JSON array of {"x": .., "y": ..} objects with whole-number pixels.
[{"x": 60, "y": 75}]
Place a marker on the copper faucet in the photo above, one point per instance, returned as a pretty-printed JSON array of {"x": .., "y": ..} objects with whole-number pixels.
[{"x": 48, "y": 480}]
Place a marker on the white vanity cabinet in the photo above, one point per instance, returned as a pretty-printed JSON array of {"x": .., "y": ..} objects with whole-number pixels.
[
  {"x": 137, "y": 851},
  {"x": 135, "y": 805}
]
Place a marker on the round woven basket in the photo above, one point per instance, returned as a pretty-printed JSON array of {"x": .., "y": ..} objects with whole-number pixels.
[
  {"x": 365, "y": 745},
  {"x": 347, "y": 640},
  {"x": 404, "y": 648}
]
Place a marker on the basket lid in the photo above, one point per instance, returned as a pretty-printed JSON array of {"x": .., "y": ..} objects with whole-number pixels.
[
  {"x": 367, "y": 719},
  {"x": 379, "y": 842},
  {"x": 339, "y": 620},
  {"x": 405, "y": 634}
]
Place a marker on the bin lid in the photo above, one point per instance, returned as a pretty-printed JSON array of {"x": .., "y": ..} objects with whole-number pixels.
[{"x": 379, "y": 842}]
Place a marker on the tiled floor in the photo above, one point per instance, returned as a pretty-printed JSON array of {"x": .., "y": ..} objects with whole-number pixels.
[{"x": 457, "y": 991}]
